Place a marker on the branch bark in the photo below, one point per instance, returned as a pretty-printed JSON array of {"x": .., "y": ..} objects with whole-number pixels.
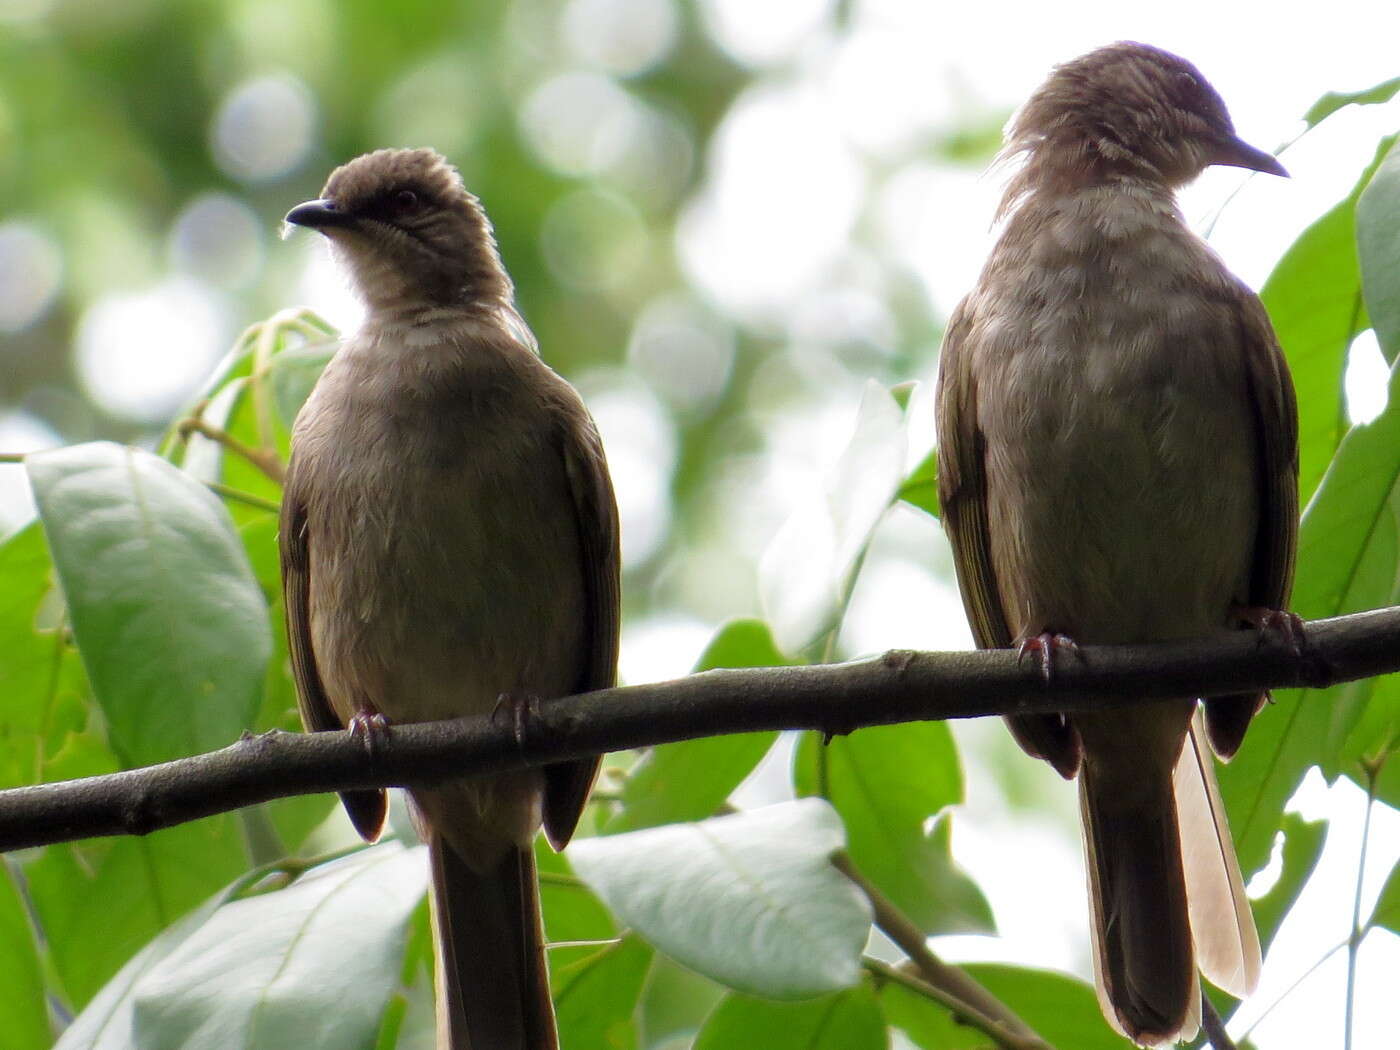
[{"x": 897, "y": 686}]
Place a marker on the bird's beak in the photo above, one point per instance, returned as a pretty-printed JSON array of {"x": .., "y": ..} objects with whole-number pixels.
[
  {"x": 1235, "y": 153},
  {"x": 318, "y": 215}
]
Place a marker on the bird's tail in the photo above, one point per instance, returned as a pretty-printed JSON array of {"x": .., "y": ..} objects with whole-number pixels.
[
  {"x": 492, "y": 980},
  {"x": 1143, "y": 962}
]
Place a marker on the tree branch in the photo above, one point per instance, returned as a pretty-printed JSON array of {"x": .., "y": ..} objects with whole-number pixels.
[{"x": 836, "y": 698}]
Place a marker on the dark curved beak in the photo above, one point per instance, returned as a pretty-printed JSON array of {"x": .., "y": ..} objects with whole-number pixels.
[
  {"x": 318, "y": 215},
  {"x": 1237, "y": 153}
]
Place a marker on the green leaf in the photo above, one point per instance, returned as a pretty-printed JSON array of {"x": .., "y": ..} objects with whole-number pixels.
[
  {"x": 1314, "y": 300},
  {"x": 1063, "y": 1010},
  {"x": 99, "y": 901},
  {"x": 1301, "y": 849},
  {"x": 170, "y": 622},
  {"x": 692, "y": 779},
  {"x": 294, "y": 372},
  {"x": 850, "y": 1020},
  {"x": 41, "y": 676},
  {"x": 1347, "y": 561},
  {"x": 1378, "y": 243},
  {"x": 920, "y": 488},
  {"x": 1334, "y": 100},
  {"x": 805, "y": 574},
  {"x": 595, "y": 999},
  {"x": 676, "y": 1002},
  {"x": 1387, "y": 910},
  {"x": 887, "y": 782},
  {"x": 106, "y": 1023},
  {"x": 23, "y": 1018},
  {"x": 311, "y": 966},
  {"x": 750, "y": 900}
]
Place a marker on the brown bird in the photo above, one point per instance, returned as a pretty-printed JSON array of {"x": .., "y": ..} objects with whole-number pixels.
[
  {"x": 1118, "y": 463},
  {"x": 449, "y": 544}
]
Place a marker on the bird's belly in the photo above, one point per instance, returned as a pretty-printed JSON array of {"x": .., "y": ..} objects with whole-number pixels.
[
  {"x": 455, "y": 590},
  {"x": 1121, "y": 494}
]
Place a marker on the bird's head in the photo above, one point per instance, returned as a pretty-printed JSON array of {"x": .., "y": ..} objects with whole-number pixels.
[
  {"x": 1134, "y": 110},
  {"x": 410, "y": 233}
]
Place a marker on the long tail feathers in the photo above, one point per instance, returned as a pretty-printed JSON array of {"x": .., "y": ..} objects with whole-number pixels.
[
  {"x": 1222, "y": 924},
  {"x": 493, "y": 986},
  {"x": 1143, "y": 965}
]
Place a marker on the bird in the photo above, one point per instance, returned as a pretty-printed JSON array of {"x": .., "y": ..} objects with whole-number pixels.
[
  {"x": 449, "y": 547},
  {"x": 1117, "y": 463}
]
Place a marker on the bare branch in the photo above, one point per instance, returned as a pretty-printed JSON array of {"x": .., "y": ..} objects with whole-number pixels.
[{"x": 834, "y": 698}]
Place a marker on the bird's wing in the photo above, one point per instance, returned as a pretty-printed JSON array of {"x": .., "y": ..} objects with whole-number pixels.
[
  {"x": 1275, "y": 545},
  {"x": 367, "y": 808},
  {"x": 962, "y": 498},
  {"x": 595, "y": 509}
]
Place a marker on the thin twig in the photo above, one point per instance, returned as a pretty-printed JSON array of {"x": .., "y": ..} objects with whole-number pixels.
[
  {"x": 1283, "y": 997},
  {"x": 1213, "y": 1026},
  {"x": 962, "y": 992},
  {"x": 964, "y": 1014},
  {"x": 246, "y": 498},
  {"x": 264, "y": 460},
  {"x": 1354, "y": 938}
]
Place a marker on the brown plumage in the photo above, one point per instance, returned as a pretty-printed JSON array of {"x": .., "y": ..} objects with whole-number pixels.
[
  {"x": 449, "y": 538},
  {"x": 1118, "y": 463}
]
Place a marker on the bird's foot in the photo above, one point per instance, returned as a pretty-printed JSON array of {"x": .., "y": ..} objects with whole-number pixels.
[
  {"x": 1274, "y": 621},
  {"x": 1045, "y": 645},
  {"x": 520, "y": 707},
  {"x": 369, "y": 724}
]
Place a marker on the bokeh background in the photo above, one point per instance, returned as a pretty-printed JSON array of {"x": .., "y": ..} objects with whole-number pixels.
[{"x": 723, "y": 218}]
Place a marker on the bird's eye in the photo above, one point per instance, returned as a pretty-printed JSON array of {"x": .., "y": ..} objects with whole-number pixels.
[{"x": 405, "y": 200}]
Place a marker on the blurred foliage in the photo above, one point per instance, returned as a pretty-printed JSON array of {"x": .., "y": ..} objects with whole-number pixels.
[{"x": 116, "y": 118}]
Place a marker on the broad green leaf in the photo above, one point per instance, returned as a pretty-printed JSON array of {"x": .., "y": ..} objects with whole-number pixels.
[
  {"x": 171, "y": 624},
  {"x": 1387, "y": 910},
  {"x": 751, "y": 899},
  {"x": 41, "y": 676},
  {"x": 23, "y": 1017},
  {"x": 888, "y": 783},
  {"x": 691, "y": 779},
  {"x": 99, "y": 901},
  {"x": 1301, "y": 849},
  {"x": 805, "y": 574},
  {"x": 106, "y": 1023},
  {"x": 1347, "y": 561},
  {"x": 293, "y": 373},
  {"x": 1315, "y": 303},
  {"x": 1334, "y": 100},
  {"x": 595, "y": 998},
  {"x": 309, "y": 966},
  {"x": 1062, "y": 1009},
  {"x": 920, "y": 488},
  {"x": 676, "y": 1001},
  {"x": 1378, "y": 243},
  {"x": 849, "y": 1020},
  {"x": 1374, "y": 739}
]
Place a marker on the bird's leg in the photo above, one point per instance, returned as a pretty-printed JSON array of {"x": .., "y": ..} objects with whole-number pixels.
[
  {"x": 1280, "y": 621},
  {"x": 1045, "y": 644},
  {"x": 368, "y": 723},
  {"x": 521, "y": 707}
]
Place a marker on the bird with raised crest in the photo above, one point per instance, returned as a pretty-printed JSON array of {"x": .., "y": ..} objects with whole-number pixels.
[
  {"x": 449, "y": 547},
  {"x": 1118, "y": 463}
]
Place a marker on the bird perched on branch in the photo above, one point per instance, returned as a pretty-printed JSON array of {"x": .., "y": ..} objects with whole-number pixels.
[
  {"x": 449, "y": 547},
  {"x": 1118, "y": 463}
]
